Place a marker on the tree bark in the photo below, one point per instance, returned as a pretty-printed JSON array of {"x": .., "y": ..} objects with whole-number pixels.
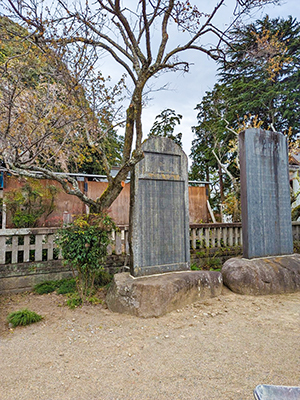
[{"x": 220, "y": 172}]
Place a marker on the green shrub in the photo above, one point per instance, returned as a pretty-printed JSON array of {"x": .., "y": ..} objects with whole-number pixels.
[
  {"x": 28, "y": 203},
  {"x": 195, "y": 267},
  {"x": 213, "y": 263},
  {"x": 45, "y": 287},
  {"x": 84, "y": 247},
  {"x": 103, "y": 278},
  {"x": 95, "y": 300},
  {"x": 208, "y": 264},
  {"x": 296, "y": 246},
  {"x": 66, "y": 286},
  {"x": 23, "y": 317},
  {"x": 62, "y": 286},
  {"x": 74, "y": 301}
]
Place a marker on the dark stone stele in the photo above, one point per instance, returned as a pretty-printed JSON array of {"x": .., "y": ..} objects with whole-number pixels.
[
  {"x": 159, "y": 217},
  {"x": 265, "y": 194},
  {"x": 160, "y": 279}
]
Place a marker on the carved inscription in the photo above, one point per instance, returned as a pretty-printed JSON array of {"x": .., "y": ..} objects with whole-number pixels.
[
  {"x": 266, "y": 213},
  {"x": 159, "y": 235},
  {"x": 162, "y": 230},
  {"x": 158, "y": 163}
]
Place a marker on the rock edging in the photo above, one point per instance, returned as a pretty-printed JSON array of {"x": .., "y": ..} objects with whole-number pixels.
[
  {"x": 156, "y": 295},
  {"x": 260, "y": 276}
]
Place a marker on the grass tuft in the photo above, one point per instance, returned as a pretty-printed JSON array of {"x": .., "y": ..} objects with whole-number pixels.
[
  {"x": 74, "y": 301},
  {"x": 45, "y": 287},
  {"x": 62, "y": 286},
  {"x": 66, "y": 286},
  {"x": 23, "y": 317},
  {"x": 103, "y": 279}
]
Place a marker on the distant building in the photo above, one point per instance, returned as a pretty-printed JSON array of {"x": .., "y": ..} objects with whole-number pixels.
[{"x": 67, "y": 206}]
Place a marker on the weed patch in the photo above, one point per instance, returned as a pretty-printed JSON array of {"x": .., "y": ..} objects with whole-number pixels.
[
  {"x": 23, "y": 317},
  {"x": 62, "y": 286},
  {"x": 45, "y": 287},
  {"x": 66, "y": 286}
]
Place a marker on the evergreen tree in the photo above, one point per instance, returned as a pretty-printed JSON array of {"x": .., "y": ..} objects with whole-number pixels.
[
  {"x": 165, "y": 124},
  {"x": 258, "y": 86},
  {"x": 262, "y": 74}
]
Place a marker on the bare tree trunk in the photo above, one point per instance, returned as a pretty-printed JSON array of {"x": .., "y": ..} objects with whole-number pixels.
[
  {"x": 133, "y": 120},
  {"x": 220, "y": 172}
]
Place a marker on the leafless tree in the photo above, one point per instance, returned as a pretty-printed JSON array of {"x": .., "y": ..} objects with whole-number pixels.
[{"x": 136, "y": 37}]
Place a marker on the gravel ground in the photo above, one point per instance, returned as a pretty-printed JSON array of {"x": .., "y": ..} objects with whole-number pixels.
[{"x": 219, "y": 349}]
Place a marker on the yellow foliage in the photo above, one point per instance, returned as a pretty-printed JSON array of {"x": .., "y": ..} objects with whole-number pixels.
[
  {"x": 232, "y": 206},
  {"x": 272, "y": 52}
]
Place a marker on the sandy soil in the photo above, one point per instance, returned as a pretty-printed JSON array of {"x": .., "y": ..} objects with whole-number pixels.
[{"x": 217, "y": 349}]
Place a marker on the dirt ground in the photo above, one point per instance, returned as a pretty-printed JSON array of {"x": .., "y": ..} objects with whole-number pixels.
[{"x": 219, "y": 349}]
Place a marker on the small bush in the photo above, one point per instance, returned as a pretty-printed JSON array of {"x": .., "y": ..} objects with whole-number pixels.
[
  {"x": 213, "y": 263},
  {"x": 207, "y": 264},
  {"x": 45, "y": 287},
  {"x": 296, "y": 246},
  {"x": 23, "y": 317},
  {"x": 95, "y": 300},
  {"x": 74, "y": 301},
  {"x": 84, "y": 247},
  {"x": 103, "y": 279},
  {"x": 28, "y": 203},
  {"x": 62, "y": 286},
  {"x": 66, "y": 286}
]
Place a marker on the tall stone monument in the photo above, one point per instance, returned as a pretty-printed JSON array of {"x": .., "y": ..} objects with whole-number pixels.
[
  {"x": 160, "y": 279},
  {"x": 268, "y": 266},
  {"x": 159, "y": 213},
  {"x": 265, "y": 194}
]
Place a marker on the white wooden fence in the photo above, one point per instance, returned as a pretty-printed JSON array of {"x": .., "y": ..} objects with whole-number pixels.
[
  {"x": 215, "y": 235},
  {"x": 38, "y": 244}
]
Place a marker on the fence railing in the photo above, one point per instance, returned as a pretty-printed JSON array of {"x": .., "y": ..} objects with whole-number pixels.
[
  {"x": 224, "y": 235},
  {"x": 215, "y": 235},
  {"x": 38, "y": 244}
]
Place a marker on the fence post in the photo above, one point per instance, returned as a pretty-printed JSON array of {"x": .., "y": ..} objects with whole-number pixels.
[
  {"x": 38, "y": 248},
  {"x": 14, "y": 249},
  {"x": 236, "y": 236},
  {"x": 50, "y": 247},
  {"x": 207, "y": 232},
  {"x": 2, "y": 249},
  {"x": 126, "y": 241},
  {"x": 224, "y": 235},
  {"x": 118, "y": 243},
  {"x": 193, "y": 238},
  {"x": 26, "y": 248},
  {"x": 3, "y": 216}
]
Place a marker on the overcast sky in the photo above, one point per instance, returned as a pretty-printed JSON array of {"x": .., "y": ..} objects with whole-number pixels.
[{"x": 186, "y": 90}]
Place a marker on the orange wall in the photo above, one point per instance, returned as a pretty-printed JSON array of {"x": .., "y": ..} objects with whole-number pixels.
[
  {"x": 119, "y": 210},
  {"x": 66, "y": 206},
  {"x": 64, "y": 203},
  {"x": 197, "y": 204}
]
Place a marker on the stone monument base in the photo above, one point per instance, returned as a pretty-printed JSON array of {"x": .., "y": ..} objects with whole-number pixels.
[
  {"x": 267, "y": 275},
  {"x": 156, "y": 295}
]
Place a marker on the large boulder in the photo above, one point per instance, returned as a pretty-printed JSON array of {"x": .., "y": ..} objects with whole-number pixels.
[
  {"x": 257, "y": 276},
  {"x": 156, "y": 295}
]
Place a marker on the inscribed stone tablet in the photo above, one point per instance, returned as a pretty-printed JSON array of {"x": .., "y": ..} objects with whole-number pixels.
[
  {"x": 159, "y": 237},
  {"x": 265, "y": 194}
]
